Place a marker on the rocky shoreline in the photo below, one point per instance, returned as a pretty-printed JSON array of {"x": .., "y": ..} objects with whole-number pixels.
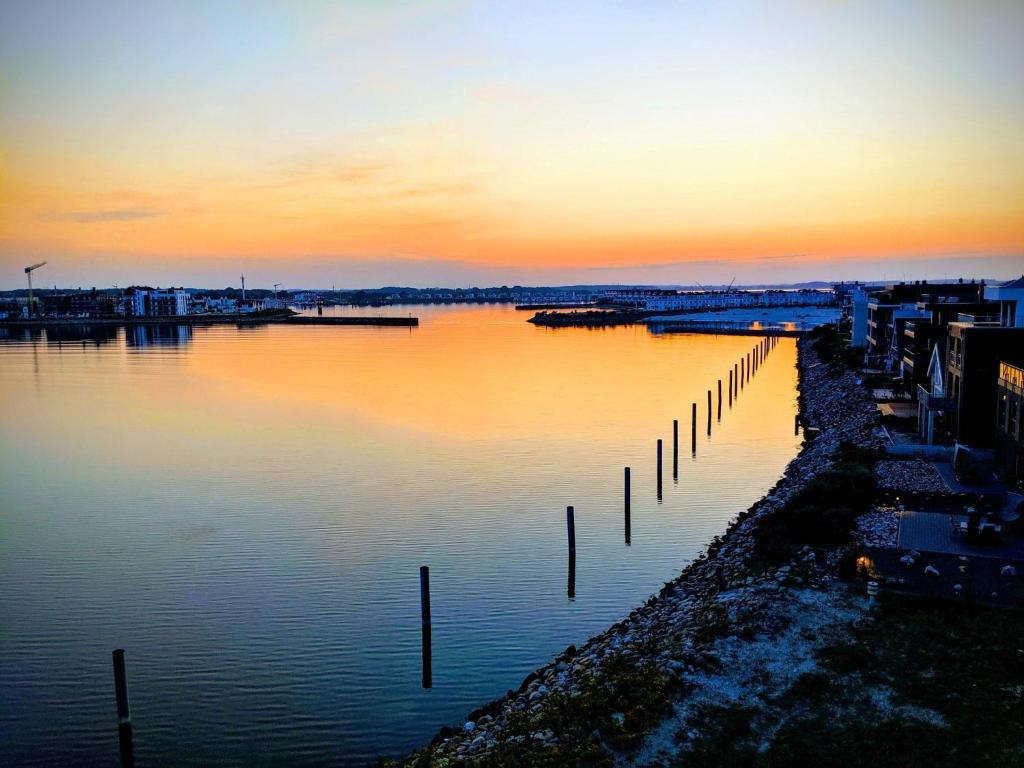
[{"x": 669, "y": 646}]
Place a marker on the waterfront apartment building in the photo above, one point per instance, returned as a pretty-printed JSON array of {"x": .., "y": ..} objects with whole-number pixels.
[
  {"x": 975, "y": 351},
  {"x": 858, "y": 313},
  {"x": 1009, "y": 432},
  {"x": 150, "y": 302},
  {"x": 890, "y": 307},
  {"x": 931, "y": 328},
  {"x": 85, "y": 304}
]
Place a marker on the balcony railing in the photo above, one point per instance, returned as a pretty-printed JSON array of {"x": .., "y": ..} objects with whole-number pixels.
[{"x": 933, "y": 402}]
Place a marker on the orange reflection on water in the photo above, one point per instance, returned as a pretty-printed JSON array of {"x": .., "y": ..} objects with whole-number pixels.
[{"x": 485, "y": 372}]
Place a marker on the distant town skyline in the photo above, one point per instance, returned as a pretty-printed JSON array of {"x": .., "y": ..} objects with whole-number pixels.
[
  {"x": 360, "y": 274},
  {"x": 446, "y": 143}
]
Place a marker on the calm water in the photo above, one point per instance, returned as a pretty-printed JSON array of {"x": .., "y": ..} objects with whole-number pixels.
[{"x": 245, "y": 511}]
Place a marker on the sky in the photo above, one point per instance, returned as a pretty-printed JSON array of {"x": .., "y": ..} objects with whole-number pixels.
[{"x": 315, "y": 143}]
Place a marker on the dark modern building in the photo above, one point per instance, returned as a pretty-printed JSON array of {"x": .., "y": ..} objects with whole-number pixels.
[
  {"x": 973, "y": 358},
  {"x": 931, "y": 327},
  {"x": 891, "y": 307},
  {"x": 1010, "y": 413},
  {"x": 88, "y": 303}
]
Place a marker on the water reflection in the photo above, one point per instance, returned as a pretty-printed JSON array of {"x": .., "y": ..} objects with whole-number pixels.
[
  {"x": 259, "y": 536},
  {"x": 158, "y": 335},
  {"x": 97, "y": 335}
]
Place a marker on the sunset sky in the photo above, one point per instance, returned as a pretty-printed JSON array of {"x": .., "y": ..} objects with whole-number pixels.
[{"x": 316, "y": 143}]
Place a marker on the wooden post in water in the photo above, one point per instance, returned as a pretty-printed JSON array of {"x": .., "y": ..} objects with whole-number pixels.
[
  {"x": 693, "y": 429},
  {"x": 570, "y": 589},
  {"x": 796, "y": 424},
  {"x": 627, "y": 503},
  {"x": 675, "y": 449},
  {"x": 736, "y": 379},
  {"x": 659, "y": 468},
  {"x": 124, "y": 715},
  {"x": 719, "y": 400},
  {"x": 730, "y": 389},
  {"x": 709, "y": 411},
  {"x": 570, "y": 525},
  {"x": 428, "y": 674}
]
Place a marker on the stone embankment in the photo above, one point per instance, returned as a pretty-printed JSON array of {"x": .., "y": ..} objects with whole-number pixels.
[{"x": 724, "y": 604}]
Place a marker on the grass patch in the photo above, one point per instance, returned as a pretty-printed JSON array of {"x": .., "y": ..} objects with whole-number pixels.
[{"x": 940, "y": 685}]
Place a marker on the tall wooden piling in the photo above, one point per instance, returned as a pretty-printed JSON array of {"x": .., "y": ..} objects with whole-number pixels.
[
  {"x": 736, "y": 379},
  {"x": 124, "y": 715},
  {"x": 709, "y": 411},
  {"x": 659, "y": 469},
  {"x": 796, "y": 424},
  {"x": 730, "y": 389},
  {"x": 719, "y": 400},
  {"x": 627, "y": 503},
  {"x": 693, "y": 429},
  {"x": 570, "y": 527},
  {"x": 570, "y": 587},
  {"x": 426, "y": 650},
  {"x": 675, "y": 449}
]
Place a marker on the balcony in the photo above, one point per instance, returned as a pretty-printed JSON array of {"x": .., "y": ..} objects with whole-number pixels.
[{"x": 933, "y": 402}]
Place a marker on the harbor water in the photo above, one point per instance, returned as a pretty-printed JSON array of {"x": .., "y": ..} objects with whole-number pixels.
[{"x": 245, "y": 511}]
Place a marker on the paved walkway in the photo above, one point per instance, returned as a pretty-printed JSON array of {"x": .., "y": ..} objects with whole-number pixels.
[
  {"x": 945, "y": 469},
  {"x": 934, "y": 532}
]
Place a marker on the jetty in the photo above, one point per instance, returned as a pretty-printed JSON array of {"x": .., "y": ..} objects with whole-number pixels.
[
  {"x": 286, "y": 317},
  {"x": 576, "y": 305},
  {"x": 386, "y": 321}
]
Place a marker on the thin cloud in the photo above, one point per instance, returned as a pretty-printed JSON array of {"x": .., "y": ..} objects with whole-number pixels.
[
  {"x": 663, "y": 265},
  {"x": 100, "y": 216}
]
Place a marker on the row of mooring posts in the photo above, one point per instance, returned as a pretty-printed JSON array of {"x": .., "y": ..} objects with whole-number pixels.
[{"x": 736, "y": 381}]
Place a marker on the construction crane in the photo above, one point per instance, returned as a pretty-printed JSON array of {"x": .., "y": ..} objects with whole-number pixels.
[
  {"x": 276, "y": 285},
  {"x": 28, "y": 274}
]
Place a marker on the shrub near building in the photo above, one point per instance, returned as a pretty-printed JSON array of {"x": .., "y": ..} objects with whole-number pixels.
[{"x": 825, "y": 512}]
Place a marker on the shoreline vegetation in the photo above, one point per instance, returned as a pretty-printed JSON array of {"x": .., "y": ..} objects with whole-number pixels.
[{"x": 764, "y": 652}]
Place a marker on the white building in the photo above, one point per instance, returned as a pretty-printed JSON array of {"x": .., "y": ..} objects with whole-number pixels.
[
  {"x": 1011, "y": 302},
  {"x": 859, "y": 315},
  {"x": 663, "y": 301}
]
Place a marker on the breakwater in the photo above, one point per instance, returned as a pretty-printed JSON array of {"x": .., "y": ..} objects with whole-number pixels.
[
  {"x": 721, "y": 328},
  {"x": 255, "y": 318},
  {"x": 622, "y": 683},
  {"x": 381, "y": 321}
]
